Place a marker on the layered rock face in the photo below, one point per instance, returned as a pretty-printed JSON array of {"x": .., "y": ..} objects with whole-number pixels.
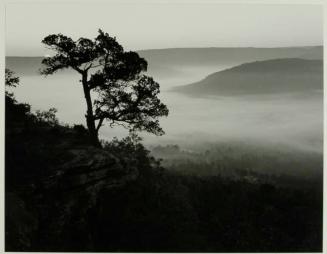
[
  {"x": 41, "y": 209},
  {"x": 53, "y": 179}
]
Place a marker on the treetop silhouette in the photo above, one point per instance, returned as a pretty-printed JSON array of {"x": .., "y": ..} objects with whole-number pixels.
[{"x": 125, "y": 96}]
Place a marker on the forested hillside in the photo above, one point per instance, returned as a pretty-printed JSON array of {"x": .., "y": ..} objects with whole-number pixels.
[{"x": 66, "y": 195}]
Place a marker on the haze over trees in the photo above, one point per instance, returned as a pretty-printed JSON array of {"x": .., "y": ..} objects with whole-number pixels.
[
  {"x": 239, "y": 165},
  {"x": 65, "y": 194},
  {"x": 125, "y": 96}
]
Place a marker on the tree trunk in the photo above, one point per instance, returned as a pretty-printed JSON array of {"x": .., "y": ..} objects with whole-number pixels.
[{"x": 90, "y": 121}]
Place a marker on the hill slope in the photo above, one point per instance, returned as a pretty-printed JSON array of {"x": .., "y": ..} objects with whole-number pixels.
[
  {"x": 63, "y": 195},
  {"x": 271, "y": 76}
]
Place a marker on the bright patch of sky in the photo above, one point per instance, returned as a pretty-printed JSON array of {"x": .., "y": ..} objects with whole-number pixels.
[{"x": 164, "y": 25}]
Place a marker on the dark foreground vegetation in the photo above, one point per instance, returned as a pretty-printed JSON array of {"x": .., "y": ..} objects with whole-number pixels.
[{"x": 63, "y": 194}]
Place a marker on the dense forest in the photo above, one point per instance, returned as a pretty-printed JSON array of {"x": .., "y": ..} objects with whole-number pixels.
[{"x": 63, "y": 194}]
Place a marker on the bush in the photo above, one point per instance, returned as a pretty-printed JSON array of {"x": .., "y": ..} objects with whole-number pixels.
[
  {"x": 48, "y": 117},
  {"x": 131, "y": 150}
]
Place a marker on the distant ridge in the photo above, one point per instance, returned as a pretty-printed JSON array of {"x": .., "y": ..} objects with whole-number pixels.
[
  {"x": 169, "y": 60},
  {"x": 269, "y": 76},
  {"x": 214, "y": 56}
]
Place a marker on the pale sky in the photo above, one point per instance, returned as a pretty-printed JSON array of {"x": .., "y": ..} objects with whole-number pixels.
[{"x": 164, "y": 25}]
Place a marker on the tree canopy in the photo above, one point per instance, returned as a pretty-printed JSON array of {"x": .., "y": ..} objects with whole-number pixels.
[
  {"x": 11, "y": 80},
  {"x": 124, "y": 94}
]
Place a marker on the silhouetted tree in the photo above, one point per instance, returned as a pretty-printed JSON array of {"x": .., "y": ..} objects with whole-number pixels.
[
  {"x": 125, "y": 96},
  {"x": 10, "y": 81}
]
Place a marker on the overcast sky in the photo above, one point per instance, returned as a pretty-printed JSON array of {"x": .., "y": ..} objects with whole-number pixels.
[{"x": 165, "y": 25}]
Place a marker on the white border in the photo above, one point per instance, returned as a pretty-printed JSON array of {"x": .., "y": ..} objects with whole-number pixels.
[{"x": 2, "y": 65}]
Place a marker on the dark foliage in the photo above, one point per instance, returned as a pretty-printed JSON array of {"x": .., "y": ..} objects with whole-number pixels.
[
  {"x": 10, "y": 81},
  {"x": 158, "y": 211},
  {"x": 63, "y": 194},
  {"x": 125, "y": 96}
]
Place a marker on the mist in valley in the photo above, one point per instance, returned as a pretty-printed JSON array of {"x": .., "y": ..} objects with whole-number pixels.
[
  {"x": 282, "y": 132},
  {"x": 291, "y": 119}
]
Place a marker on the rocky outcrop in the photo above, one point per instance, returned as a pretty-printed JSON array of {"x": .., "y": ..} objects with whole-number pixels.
[
  {"x": 89, "y": 169},
  {"x": 53, "y": 180},
  {"x": 64, "y": 197}
]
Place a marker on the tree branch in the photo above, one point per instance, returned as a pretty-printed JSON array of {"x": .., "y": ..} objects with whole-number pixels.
[{"x": 100, "y": 123}]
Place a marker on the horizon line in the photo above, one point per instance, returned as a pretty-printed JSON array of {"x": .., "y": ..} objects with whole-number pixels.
[{"x": 174, "y": 48}]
